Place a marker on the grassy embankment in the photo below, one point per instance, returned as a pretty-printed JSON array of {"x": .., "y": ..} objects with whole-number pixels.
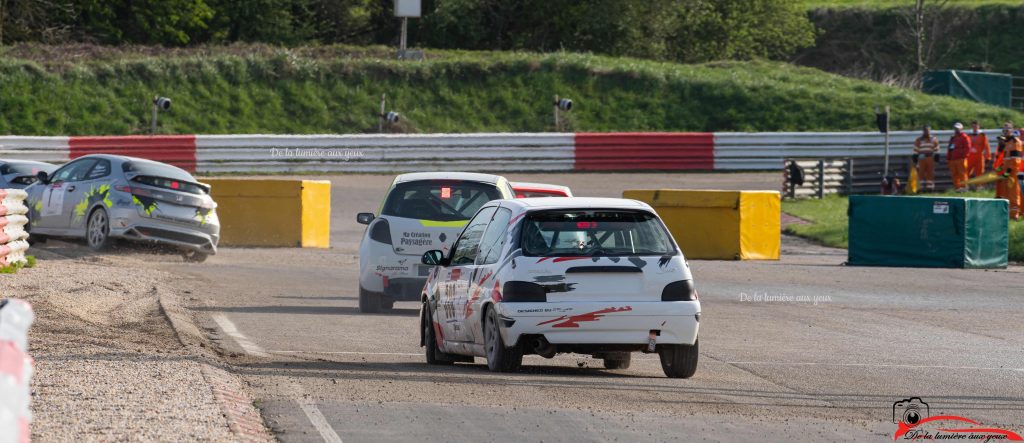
[
  {"x": 829, "y": 221},
  {"x": 260, "y": 89}
]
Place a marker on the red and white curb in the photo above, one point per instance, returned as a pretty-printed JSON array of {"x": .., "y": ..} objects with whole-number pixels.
[{"x": 243, "y": 418}]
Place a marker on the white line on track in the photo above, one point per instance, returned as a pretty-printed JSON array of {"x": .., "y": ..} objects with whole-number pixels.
[
  {"x": 230, "y": 329},
  {"x": 347, "y": 353},
  {"x": 320, "y": 422},
  {"x": 870, "y": 365}
]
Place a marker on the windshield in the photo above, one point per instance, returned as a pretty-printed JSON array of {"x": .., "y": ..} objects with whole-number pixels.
[
  {"x": 440, "y": 200},
  {"x": 593, "y": 233}
]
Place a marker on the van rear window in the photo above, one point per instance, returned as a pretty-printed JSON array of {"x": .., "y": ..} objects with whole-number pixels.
[
  {"x": 439, "y": 200},
  {"x": 594, "y": 233}
]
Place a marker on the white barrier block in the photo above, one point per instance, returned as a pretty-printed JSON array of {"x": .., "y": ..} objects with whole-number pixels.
[{"x": 16, "y": 317}]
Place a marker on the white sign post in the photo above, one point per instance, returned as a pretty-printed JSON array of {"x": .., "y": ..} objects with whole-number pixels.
[{"x": 405, "y": 9}]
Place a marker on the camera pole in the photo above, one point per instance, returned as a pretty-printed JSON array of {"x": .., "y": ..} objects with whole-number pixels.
[
  {"x": 152, "y": 126},
  {"x": 886, "y": 166},
  {"x": 380, "y": 117},
  {"x": 557, "y": 125}
]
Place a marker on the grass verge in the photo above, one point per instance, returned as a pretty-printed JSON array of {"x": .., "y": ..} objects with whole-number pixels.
[
  {"x": 260, "y": 89},
  {"x": 829, "y": 223}
]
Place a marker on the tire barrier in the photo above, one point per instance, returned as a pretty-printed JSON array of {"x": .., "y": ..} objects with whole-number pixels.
[
  {"x": 725, "y": 225},
  {"x": 16, "y": 369},
  {"x": 669, "y": 151},
  {"x": 13, "y": 237},
  {"x": 273, "y": 212}
]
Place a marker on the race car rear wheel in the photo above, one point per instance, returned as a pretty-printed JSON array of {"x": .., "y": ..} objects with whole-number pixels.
[
  {"x": 431, "y": 350},
  {"x": 369, "y": 302},
  {"x": 618, "y": 360},
  {"x": 679, "y": 361},
  {"x": 97, "y": 230},
  {"x": 499, "y": 357}
]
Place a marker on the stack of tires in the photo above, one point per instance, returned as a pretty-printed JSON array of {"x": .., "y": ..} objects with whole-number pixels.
[
  {"x": 15, "y": 371},
  {"x": 13, "y": 237}
]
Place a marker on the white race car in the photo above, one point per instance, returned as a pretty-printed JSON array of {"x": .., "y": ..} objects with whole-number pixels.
[
  {"x": 595, "y": 276},
  {"x": 421, "y": 211}
]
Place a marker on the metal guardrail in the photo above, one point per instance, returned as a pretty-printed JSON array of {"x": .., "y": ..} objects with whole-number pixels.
[{"x": 851, "y": 176}]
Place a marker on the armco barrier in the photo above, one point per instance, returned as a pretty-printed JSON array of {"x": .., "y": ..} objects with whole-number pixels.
[
  {"x": 178, "y": 150},
  {"x": 16, "y": 369},
  {"x": 384, "y": 152},
  {"x": 472, "y": 152},
  {"x": 767, "y": 150},
  {"x": 639, "y": 151},
  {"x": 273, "y": 212},
  {"x": 13, "y": 238}
]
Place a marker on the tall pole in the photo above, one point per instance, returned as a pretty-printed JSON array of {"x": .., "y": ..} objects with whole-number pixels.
[
  {"x": 557, "y": 127},
  {"x": 405, "y": 30},
  {"x": 380, "y": 117}
]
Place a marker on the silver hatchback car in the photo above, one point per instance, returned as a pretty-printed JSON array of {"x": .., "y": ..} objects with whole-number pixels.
[{"x": 101, "y": 197}]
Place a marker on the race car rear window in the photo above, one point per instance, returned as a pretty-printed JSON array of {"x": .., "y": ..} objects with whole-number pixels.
[
  {"x": 163, "y": 176},
  {"x": 594, "y": 233},
  {"x": 439, "y": 200}
]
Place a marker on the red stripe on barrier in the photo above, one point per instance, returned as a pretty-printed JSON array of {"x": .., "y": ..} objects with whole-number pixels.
[
  {"x": 619, "y": 151},
  {"x": 12, "y": 360},
  {"x": 178, "y": 150}
]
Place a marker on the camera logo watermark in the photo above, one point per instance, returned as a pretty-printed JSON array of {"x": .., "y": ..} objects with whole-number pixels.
[
  {"x": 766, "y": 297},
  {"x": 301, "y": 153},
  {"x": 915, "y": 422}
]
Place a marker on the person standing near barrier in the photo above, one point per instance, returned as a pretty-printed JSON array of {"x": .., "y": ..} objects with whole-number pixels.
[
  {"x": 997, "y": 162},
  {"x": 926, "y": 152},
  {"x": 980, "y": 151},
  {"x": 1010, "y": 169},
  {"x": 956, "y": 157}
]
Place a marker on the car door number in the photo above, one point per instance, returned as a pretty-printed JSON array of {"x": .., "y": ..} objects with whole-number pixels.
[{"x": 53, "y": 201}]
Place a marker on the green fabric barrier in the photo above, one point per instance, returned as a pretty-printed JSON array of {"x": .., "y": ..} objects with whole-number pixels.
[
  {"x": 983, "y": 87},
  {"x": 933, "y": 232}
]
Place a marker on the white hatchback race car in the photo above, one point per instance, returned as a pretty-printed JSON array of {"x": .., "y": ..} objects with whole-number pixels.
[
  {"x": 595, "y": 276},
  {"x": 421, "y": 211}
]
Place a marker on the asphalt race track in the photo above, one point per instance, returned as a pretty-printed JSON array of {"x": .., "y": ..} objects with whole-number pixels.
[{"x": 802, "y": 349}]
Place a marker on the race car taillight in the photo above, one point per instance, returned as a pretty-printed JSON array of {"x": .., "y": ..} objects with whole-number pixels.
[
  {"x": 381, "y": 232},
  {"x": 681, "y": 290},
  {"x": 134, "y": 191},
  {"x": 523, "y": 292}
]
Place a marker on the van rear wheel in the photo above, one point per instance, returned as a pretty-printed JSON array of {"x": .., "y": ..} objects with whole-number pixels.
[{"x": 369, "y": 302}]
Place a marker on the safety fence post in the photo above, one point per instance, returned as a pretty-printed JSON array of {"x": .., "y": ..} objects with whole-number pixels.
[{"x": 821, "y": 179}]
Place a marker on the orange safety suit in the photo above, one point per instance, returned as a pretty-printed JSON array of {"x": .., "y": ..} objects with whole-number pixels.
[
  {"x": 1010, "y": 165},
  {"x": 925, "y": 149},
  {"x": 980, "y": 153},
  {"x": 959, "y": 146}
]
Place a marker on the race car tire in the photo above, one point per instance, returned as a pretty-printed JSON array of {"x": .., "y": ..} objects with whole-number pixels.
[
  {"x": 433, "y": 354},
  {"x": 618, "y": 361},
  {"x": 499, "y": 357},
  {"x": 679, "y": 361},
  {"x": 97, "y": 230},
  {"x": 192, "y": 256},
  {"x": 33, "y": 238},
  {"x": 387, "y": 303},
  {"x": 369, "y": 302}
]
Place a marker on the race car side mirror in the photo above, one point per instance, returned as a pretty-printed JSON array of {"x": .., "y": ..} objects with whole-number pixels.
[
  {"x": 43, "y": 177},
  {"x": 364, "y": 218},
  {"x": 433, "y": 257}
]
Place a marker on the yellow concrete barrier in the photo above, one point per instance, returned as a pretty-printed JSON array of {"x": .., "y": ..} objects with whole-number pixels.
[
  {"x": 732, "y": 225},
  {"x": 273, "y": 212}
]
